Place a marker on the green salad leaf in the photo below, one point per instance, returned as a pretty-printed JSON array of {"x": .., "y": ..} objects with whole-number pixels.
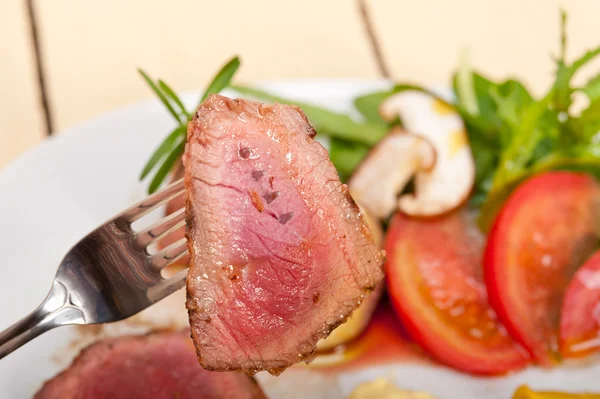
[
  {"x": 514, "y": 135},
  {"x": 368, "y": 105},
  {"x": 346, "y": 156},
  {"x": 465, "y": 88},
  {"x": 523, "y": 137},
  {"x": 350, "y": 139},
  {"x": 541, "y": 135},
  {"x": 325, "y": 121},
  {"x": 592, "y": 89},
  {"x": 485, "y": 121}
]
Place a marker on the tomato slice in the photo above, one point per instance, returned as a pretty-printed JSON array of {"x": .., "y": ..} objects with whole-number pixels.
[
  {"x": 546, "y": 228},
  {"x": 580, "y": 314},
  {"x": 435, "y": 283}
]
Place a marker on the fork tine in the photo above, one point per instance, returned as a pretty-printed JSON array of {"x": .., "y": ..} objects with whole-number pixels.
[
  {"x": 158, "y": 230},
  {"x": 167, "y": 286},
  {"x": 169, "y": 255},
  {"x": 152, "y": 202}
]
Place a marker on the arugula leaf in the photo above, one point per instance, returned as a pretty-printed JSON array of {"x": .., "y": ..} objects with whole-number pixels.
[
  {"x": 509, "y": 132},
  {"x": 524, "y": 139},
  {"x": 326, "y": 122},
  {"x": 511, "y": 99},
  {"x": 368, "y": 105},
  {"x": 508, "y": 108},
  {"x": 465, "y": 87},
  {"x": 561, "y": 85},
  {"x": 586, "y": 126},
  {"x": 592, "y": 89},
  {"x": 564, "y": 73},
  {"x": 346, "y": 156},
  {"x": 222, "y": 79},
  {"x": 581, "y": 158},
  {"x": 519, "y": 91},
  {"x": 486, "y": 160},
  {"x": 580, "y": 62},
  {"x": 400, "y": 87},
  {"x": 160, "y": 95},
  {"x": 486, "y": 126}
]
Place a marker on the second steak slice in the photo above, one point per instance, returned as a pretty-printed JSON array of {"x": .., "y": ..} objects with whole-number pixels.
[{"x": 280, "y": 254}]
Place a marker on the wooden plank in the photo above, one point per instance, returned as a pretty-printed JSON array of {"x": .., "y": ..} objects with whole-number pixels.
[
  {"x": 21, "y": 118},
  {"x": 421, "y": 40},
  {"x": 92, "y": 49}
]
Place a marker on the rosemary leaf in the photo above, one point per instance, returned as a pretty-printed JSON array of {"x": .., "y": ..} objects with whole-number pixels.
[
  {"x": 172, "y": 148},
  {"x": 160, "y": 95},
  {"x": 169, "y": 92},
  {"x": 163, "y": 149},
  {"x": 222, "y": 79},
  {"x": 167, "y": 165}
]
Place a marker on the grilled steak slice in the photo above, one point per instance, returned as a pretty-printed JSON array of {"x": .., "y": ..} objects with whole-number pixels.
[
  {"x": 280, "y": 254},
  {"x": 159, "y": 365}
]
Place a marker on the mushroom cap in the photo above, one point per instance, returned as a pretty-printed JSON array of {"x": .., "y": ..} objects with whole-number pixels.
[
  {"x": 449, "y": 182},
  {"x": 387, "y": 169}
]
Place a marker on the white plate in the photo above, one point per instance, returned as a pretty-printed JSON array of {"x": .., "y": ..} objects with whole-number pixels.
[{"x": 56, "y": 193}]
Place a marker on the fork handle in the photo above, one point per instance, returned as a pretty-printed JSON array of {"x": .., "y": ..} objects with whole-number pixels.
[{"x": 58, "y": 309}]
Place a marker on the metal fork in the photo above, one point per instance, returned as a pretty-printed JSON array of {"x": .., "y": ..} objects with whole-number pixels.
[{"x": 109, "y": 275}]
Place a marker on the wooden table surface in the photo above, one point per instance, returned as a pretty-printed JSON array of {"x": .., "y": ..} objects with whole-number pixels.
[{"x": 79, "y": 57}]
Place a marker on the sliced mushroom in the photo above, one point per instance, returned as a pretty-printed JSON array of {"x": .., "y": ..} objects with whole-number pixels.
[
  {"x": 448, "y": 184},
  {"x": 388, "y": 168}
]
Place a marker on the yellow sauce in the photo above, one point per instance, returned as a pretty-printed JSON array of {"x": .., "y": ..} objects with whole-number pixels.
[
  {"x": 458, "y": 140},
  {"x": 383, "y": 389},
  {"x": 525, "y": 393},
  {"x": 441, "y": 108}
]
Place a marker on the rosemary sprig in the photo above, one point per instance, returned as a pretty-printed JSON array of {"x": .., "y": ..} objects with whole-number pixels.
[
  {"x": 171, "y": 149},
  {"x": 159, "y": 94},
  {"x": 222, "y": 79},
  {"x": 165, "y": 147},
  {"x": 171, "y": 94}
]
